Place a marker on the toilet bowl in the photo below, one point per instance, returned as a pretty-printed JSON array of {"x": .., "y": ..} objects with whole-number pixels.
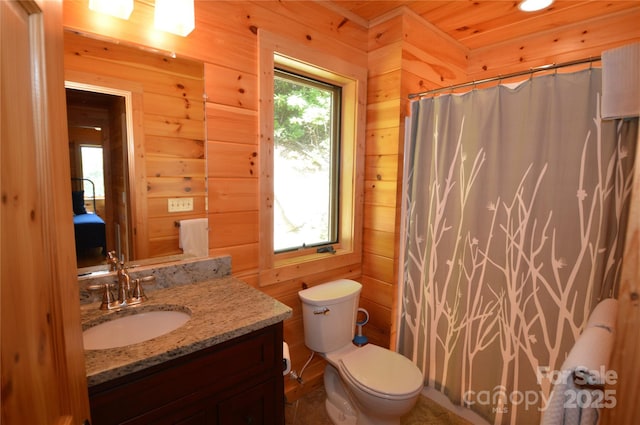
[
  {"x": 381, "y": 384},
  {"x": 367, "y": 385}
]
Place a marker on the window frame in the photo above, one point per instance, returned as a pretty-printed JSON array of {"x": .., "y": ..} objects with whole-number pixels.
[{"x": 278, "y": 52}]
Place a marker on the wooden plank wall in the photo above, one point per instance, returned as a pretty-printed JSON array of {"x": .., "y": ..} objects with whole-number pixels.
[
  {"x": 172, "y": 115},
  {"x": 576, "y": 40},
  {"x": 403, "y": 53},
  {"x": 406, "y": 55}
]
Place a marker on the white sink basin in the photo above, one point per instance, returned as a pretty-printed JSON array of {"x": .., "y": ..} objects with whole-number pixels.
[{"x": 132, "y": 329}]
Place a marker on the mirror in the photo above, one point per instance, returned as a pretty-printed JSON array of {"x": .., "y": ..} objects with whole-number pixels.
[{"x": 143, "y": 114}]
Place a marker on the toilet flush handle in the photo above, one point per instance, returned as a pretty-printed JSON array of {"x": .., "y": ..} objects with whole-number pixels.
[{"x": 323, "y": 310}]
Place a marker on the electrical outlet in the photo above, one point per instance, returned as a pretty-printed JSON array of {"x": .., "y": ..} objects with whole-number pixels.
[{"x": 180, "y": 204}]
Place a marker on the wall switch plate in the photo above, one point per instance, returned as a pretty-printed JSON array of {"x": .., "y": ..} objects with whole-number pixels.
[{"x": 180, "y": 204}]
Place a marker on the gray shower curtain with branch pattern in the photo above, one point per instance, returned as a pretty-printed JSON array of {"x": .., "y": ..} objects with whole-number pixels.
[{"x": 514, "y": 211}]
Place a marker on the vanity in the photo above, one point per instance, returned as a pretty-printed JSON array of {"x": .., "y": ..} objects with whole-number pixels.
[{"x": 223, "y": 366}]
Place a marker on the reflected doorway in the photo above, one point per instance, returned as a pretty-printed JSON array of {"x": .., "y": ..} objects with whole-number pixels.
[{"x": 98, "y": 153}]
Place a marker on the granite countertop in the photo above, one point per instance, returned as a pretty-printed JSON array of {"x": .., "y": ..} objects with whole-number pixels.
[{"x": 221, "y": 309}]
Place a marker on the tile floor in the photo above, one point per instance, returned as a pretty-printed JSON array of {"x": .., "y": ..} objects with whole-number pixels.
[{"x": 310, "y": 410}]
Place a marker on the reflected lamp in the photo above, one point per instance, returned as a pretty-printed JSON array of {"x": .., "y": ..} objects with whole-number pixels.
[{"x": 119, "y": 8}]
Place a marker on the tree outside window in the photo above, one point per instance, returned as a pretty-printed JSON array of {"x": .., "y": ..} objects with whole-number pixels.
[{"x": 306, "y": 147}]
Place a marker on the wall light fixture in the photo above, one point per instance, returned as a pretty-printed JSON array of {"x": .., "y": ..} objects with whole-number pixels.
[{"x": 175, "y": 16}]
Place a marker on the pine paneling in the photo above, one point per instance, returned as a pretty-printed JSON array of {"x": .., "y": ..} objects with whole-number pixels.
[
  {"x": 382, "y": 167},
  {"x": 173, "y": 147},
  {"x": 380, "y": 243},
  {"x": 577, "y": 41},
  {"x": 233, "y": 195},
  {"x": 167, "y": 187},
  {"x": 175, "y": 167},
  {"x": 233, "y": 87},
  {"x": 379, "y": 192},
  {"x": 380, "y": 218},
  {"x": 231, "y": 124},
  {"x": 188, "y": 108},
  {"x": 316, "y": 26},
  {"x": 387, "y": 58},
  {"x": 423, "y": 36},
  {"x": 383, "y": 114},
  {"x": 386, "y": 33},
  {"x": 232, "y": 229},
  {"x": 383, "y": 87},
  {"x": 244, "y": 258},
  {"x": 430, "y": 67},
  {"x": 480, "y": 30},
  {"x": 383, "y": 141},
  {"x": 232, "y": 160}
]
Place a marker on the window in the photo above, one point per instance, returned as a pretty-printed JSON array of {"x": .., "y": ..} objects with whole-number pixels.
[
  {"x": 306, "y": 145},
  {"x": 312, "y": 129},
  {"x": 92, "y": 169}
]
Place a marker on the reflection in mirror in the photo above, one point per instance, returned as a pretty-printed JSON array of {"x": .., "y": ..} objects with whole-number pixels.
[
  {"x": 97, "y": 124},
  {"x": 145, "y": 113}
]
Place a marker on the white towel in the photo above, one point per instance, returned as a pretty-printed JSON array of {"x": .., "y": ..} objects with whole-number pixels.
[
  {"x": 194, "y": 237},
  {"x": 584, "y": 372},
  {"x": 604, "y": 314},
  {"x": 621, "y": 82}
]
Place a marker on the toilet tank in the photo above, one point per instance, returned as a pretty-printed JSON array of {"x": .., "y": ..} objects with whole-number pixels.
[{"x": 329, "y": 314}]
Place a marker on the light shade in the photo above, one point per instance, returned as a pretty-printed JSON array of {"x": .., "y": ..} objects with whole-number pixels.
[
  {"x": 119, "y": 8},
  {"x": 534, "y": 5},
  {"x": 175, "y": 16}
]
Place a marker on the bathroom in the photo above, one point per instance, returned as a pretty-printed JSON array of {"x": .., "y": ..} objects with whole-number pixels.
[{"x": 225, "y": 41}]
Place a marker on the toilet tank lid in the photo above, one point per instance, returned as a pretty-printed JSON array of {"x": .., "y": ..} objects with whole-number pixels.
[{"x": 330, "y": 292}]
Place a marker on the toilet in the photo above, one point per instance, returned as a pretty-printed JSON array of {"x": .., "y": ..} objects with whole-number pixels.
[{"x": 367, "y": 385}]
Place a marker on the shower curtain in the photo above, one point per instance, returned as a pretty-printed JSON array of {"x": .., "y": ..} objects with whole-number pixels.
[{"x": 514, "y": 212}]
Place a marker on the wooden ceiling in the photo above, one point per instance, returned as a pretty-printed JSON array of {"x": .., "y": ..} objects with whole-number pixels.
[{"x": 480, "y": 23}]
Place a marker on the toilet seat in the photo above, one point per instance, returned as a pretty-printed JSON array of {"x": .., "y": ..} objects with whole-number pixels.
[{"x": 381, "y": 372}]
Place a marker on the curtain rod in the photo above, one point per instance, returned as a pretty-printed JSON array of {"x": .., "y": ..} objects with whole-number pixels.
[{"x": 530, "y": 71}]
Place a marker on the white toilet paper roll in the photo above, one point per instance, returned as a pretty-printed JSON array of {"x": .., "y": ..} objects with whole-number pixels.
[{"x": 286, "y": 359}]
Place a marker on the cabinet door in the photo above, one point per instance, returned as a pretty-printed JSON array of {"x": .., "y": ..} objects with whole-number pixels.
[
  {"x": 201, "y": 413},
  {"x": 256, "y": 406}
]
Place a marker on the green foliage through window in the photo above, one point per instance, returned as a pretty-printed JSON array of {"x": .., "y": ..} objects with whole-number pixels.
[{"x": 306, "y": 129}]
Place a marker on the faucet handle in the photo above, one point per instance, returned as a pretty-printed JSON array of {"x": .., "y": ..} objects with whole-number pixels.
[
  {"x": 137, "y": 293},
  {"x": 107, "y": 296}
]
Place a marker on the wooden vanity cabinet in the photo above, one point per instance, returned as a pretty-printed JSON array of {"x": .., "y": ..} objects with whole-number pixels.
[{"x": 238, "y": 382}]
